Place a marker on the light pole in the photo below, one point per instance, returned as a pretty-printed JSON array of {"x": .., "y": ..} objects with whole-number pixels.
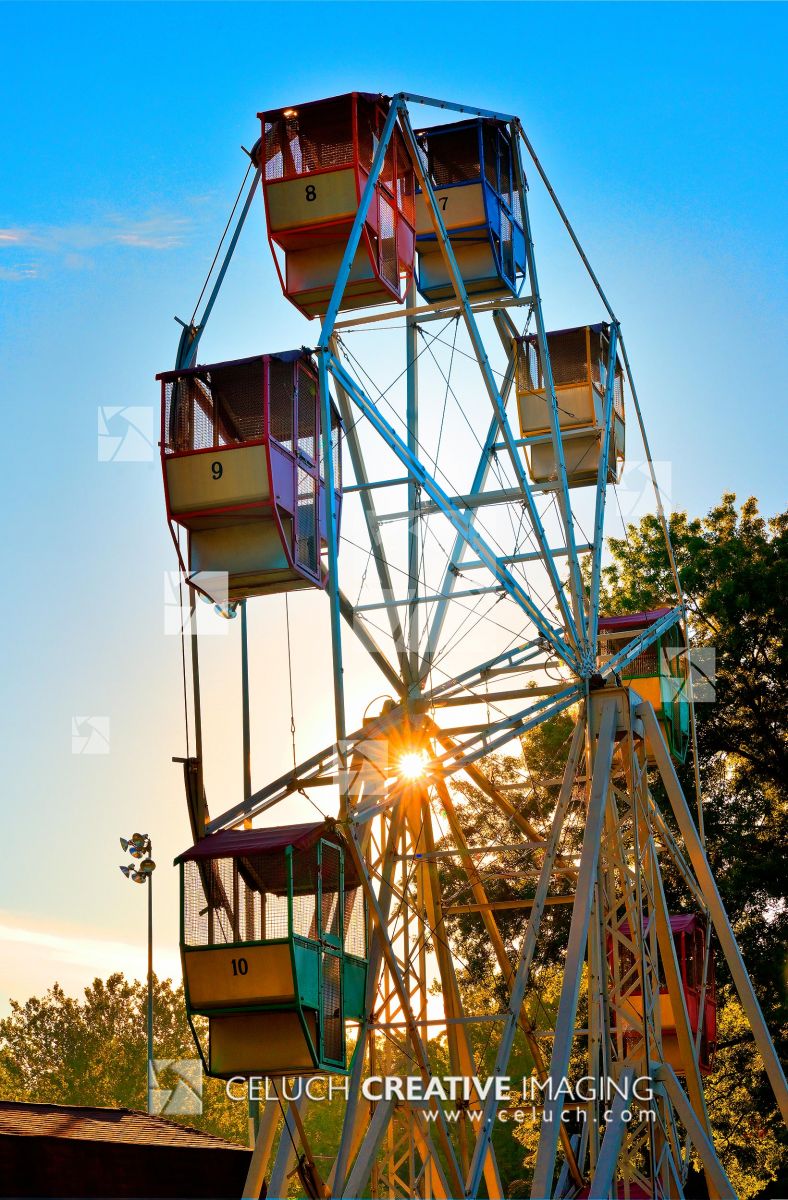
[{"x": 139, "y": 847}]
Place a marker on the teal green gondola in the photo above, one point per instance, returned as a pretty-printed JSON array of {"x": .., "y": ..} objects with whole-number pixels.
[
  {"x": 658, "y": 674},
  {"x": 273, "y": 945},
  {"x": 470, "y": 165}
]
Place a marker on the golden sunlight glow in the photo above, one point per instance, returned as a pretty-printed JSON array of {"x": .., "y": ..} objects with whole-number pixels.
[{"x": 413, "y": 765}]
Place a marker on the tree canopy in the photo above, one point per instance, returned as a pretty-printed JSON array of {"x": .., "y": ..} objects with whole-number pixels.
[
  {"x": 60, "y": 1050},
  {"x": 733, "y": 569}
]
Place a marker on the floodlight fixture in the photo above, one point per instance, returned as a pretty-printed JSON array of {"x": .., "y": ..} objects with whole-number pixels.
[
  {"x": 141, "y": 871},
  {"x": 229, "y": 611}
]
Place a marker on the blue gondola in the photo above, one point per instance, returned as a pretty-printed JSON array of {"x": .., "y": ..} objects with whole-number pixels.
[{"x": 470, "y": 166}]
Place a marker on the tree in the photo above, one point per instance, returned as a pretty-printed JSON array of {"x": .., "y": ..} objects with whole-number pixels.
[
  {"x": 733, "y": 569},
  {"x": 59, "y": 1050}
]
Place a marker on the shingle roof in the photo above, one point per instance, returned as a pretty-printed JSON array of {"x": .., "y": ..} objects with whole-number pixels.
[
  {"x": 103, "y": 1125},
  {"x": 240, "y": 843}
]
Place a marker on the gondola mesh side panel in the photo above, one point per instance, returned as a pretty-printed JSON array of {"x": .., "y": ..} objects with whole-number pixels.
[
  {"x": 330, "y": 917},
  {"x": 332, "y": 1007},
  {"x": 281, "y": 402},
  {"x": 355, "y": 932},
  {"x": 221, "y": 907}
]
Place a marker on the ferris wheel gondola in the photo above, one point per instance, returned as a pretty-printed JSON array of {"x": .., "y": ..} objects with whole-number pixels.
[{"x": 244, "y": 473}]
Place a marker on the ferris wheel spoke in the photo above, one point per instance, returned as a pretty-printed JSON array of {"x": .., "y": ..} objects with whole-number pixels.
[
  {"x": 356, "y": 233},
  {"x": 359, "y": 626},
  {"x": 573, "y": 625},
  {"x": 601, "y": 489},
  {"x": 497, "y": 734},
  {"x": 441, "y": 610},
  {"x": 515, "y": 658},
  {"x": 372, "y": 523},
  {"x": 564, "y": 503},
  {"x": 450, "y": 510}
]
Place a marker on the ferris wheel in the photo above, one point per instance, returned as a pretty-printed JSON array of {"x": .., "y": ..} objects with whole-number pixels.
[{"x": 440, "y": 463}]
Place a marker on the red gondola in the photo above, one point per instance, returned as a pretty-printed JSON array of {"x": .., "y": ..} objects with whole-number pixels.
[
  {"x": 658, "y": 674},
  {"x": 689, "y": 937},
  {"x": 244, "y": 472},
  {"x": 315, "y": 162}
]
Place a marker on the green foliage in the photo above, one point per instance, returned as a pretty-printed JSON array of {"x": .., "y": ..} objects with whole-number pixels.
[
  {"x": 59, "y": 1050},
  {"x": 750, "y": 1138},
  {"x": 505, "y": 877},
  {"x": 733, "y": 567}
]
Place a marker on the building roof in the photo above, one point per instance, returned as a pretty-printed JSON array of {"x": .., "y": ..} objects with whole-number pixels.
[{"x": 118, "y": 1125}]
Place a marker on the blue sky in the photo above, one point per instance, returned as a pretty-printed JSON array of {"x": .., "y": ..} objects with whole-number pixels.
[{"x": 662, "y": 129}]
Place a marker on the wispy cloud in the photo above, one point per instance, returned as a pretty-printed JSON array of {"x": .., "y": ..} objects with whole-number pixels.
[
  {"x": 154, "y": 234},
  {"x": 37, "y": 955},
  {"x": 157, "y": 232},
  {"x": 15, "y": 274},
  {"x": 70, "y": 245}
]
